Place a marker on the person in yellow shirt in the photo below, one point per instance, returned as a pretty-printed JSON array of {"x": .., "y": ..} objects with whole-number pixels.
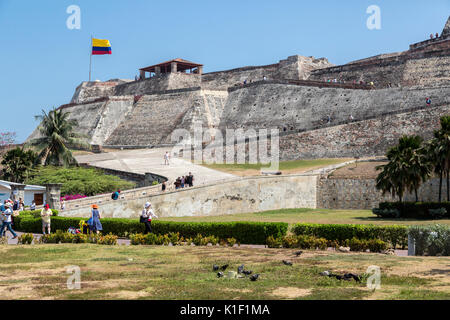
[{"x": 46, "y": 213}]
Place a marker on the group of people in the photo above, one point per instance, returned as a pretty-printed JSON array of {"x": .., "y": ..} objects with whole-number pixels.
[
  {"x": 10, "y": 209},
  {"x": 184, "y": 181},
  {"x": 432, "y": 37}
]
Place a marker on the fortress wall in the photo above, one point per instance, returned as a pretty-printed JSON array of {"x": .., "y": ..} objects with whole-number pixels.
[
  {"x": 363, "y": 194},
  {"x": 113, "y": 113},
  {"x": 155, "y": 117},
  {"x": 253, "y": 194},
  {"x": 291, "y": 108},
  {"x": 434, "y": 71},
  {"x": 423, "y": 65},
  {"x": 207, "y": 109},
  {"x": 380, "y": 71},
  {"x": 168, "y": 81},
  {"x": 97, "y": 120},
  {"x": 152, "y": 119},
  {"x": 364, "y": 138},
  {"x": 294, "y": 67},
  {"x": 88, "y": 91}
]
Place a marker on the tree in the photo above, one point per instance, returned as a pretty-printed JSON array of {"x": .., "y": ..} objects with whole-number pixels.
[
  {"x": 408, "y": 167},
  {"x": 57, "y": 135},
  {"x": 439, "y": 153},
  {"x": 17, "y": 164}
]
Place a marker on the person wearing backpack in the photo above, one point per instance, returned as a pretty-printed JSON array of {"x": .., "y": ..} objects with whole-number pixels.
[
  {"x": 115, "y": 195},
  {"x": 146, "y": 217}
]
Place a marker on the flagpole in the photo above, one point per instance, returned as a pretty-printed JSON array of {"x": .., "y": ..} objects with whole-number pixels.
[{"x": 90, "y": 61}]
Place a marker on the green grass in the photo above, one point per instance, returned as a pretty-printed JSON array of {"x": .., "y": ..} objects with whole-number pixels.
[
  {"x": 158, "y": 272},
  {"x": 283, "y": 165},
  {"x": 325, "y": 216}
]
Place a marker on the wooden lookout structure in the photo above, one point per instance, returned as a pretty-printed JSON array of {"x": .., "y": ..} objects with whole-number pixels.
[{"x": 172, "y": 66}]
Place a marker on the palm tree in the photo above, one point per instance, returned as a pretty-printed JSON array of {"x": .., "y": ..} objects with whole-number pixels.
[
  {"x": 439, "y": 153},
  {"x": 408, "y": 167},
  {"x": 57, "y": 136}
]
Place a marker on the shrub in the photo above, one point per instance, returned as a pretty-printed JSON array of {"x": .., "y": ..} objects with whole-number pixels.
[
  {"x": 290, "y": 241},
  {"x": 174, "y": 238},
  {"x": 273, "y": 242},
  {"x": 416, "y": 210},
  {"x": 231, "y": 242},
  {"x": 437, "y": 213},
  {"x": 431, "y": 240},
  {"x": 376, "y": 245},
  {"x": 213, "y": 240},
  {"x": 76, "y": 180},
  {"x": 35, "y": 213},
  {"x": 386, "y": 213},
  {"x": 395, "y": 235},
  {"x": 26, "y": 238},
  {"x": 109, "y": 240},
  {"x": 243, "y": 232}
]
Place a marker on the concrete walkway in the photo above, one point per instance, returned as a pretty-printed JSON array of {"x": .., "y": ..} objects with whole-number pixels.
[{"x": 152, "y": 160}]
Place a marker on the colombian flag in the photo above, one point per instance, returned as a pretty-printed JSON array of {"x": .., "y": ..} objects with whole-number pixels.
[{"x": 100, "y": 47}]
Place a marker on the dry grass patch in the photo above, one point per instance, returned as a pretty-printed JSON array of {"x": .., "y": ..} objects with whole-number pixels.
[{"x": 291, "y": 292}]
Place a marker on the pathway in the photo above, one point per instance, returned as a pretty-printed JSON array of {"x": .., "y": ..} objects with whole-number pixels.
[{"x": 152, "y": 160}]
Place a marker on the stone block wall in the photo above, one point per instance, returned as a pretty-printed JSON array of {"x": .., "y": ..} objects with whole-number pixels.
[
  {"x": 363, "y": 194},
  {"x": 253, "y": 194},
  {"x": 88, "y": 91},
  {"x": 162, "y": 82},
  {"x": 363, "y": 138},
  {"x": 294, "y": 108},
  {"x": 424, "y": 65}
]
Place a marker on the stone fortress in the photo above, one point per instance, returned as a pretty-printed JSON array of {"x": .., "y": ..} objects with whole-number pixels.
[{"x": 346, "y": 117}]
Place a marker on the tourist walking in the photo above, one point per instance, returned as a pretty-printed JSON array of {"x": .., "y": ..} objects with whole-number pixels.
[
  {"x": 33, "y": 206},
  {"x": 167, "y": 159},
  {"x": 163, "y": 186},
  {"x": 7, "y": 221},
  {"x": 146, "y": 217},
  {"x": 190, "y": 180},
  {"x": 183, "y": 180},
  {"x": 63, "y": 204},
  {"x": 46, "y": 213},
  {"x": 94, "y": 222}
]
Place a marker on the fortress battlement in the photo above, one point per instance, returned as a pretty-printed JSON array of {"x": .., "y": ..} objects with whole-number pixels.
[{"x": 309, "y": 100}]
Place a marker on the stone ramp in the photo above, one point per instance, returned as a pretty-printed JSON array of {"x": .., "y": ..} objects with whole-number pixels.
[{"x": 152, "y": 160}]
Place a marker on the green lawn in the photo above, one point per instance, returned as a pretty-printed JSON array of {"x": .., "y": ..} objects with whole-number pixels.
[
  {"x": 289, "y": 166},
  {"x": 292, "y": 216},
  {"x": 161, "y": 272}
]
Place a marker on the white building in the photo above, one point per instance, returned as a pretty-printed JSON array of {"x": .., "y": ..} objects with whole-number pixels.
[{"x": 36, "y": 193}]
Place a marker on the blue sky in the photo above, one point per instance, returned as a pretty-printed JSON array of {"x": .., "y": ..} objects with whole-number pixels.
[{"x": 42, "y": 61}]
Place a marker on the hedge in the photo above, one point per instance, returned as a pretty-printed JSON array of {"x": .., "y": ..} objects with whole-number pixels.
[
  {"x": 416, "y": 210},
  {"x": 395, "y": 235},
  {"x": 36, "y": 213},
  {"x": 243, "y": 232}
]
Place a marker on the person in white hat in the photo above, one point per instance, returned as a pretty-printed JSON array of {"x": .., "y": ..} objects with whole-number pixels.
[
  {"x": 7, "y": 221},
  {"x": 146, "y": 217}
]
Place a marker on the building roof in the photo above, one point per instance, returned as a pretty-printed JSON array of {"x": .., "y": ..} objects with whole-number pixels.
[
  {"x": 181, "y": 65},
  {"x": 7, "y": 185}
]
